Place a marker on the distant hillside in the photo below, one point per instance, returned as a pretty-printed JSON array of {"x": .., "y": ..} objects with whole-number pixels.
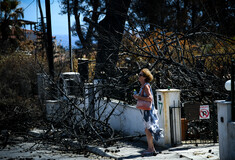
[{"x": 64, "y": 41}]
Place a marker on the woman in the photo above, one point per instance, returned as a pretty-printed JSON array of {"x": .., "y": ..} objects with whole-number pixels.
[{"x": 150, "y": 118}]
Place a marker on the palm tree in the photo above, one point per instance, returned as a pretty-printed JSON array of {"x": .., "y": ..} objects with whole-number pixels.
[{"x": 9, "y": 24}]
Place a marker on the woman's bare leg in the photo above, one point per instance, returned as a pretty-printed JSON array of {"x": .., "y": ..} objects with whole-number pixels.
[{"x": 149, "y": 140}]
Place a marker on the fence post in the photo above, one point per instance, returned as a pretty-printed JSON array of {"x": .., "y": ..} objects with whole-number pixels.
[{"x": 214, "y": 123}]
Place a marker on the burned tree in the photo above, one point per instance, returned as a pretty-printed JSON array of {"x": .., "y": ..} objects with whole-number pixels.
[
  {"x": 196, "y": 62},
  {"x": 93, "y": 10},
  {"x": 187, "y": 61},
  {"x": 110, "y": 36}
]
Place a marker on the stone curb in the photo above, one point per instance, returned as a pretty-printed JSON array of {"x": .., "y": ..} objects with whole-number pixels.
[{"x": 99, "y": 152}]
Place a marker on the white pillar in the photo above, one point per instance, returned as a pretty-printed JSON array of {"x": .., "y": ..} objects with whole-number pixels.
[
  {"x": 43, "y": 83},
  {"x": 98, "y": 86},
  {"x": 168, "y": 101},
  {"x": 224, "y": 126},
  {"x": 98, "y": 83},
  {"x": 71, "y": 82},
  {"x": 53, "y": 110},
  {"x": 89, "y": 98}
]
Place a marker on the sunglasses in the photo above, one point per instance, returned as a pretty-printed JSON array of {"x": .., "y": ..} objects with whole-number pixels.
[{"x": 141, "y": 75}]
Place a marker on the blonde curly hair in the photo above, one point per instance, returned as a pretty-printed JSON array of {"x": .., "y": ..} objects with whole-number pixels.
[{"x": 147, "y": 74}]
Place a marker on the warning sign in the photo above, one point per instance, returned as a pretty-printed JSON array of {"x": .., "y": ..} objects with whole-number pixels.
[{"x": 204, "y": 112}]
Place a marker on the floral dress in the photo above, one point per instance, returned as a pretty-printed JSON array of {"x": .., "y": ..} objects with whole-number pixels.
[{"x": 150, "y": 117}]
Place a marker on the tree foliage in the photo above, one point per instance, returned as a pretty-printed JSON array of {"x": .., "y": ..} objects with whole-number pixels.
[
  {"x": 10, "y": 30},
  {"x": 92, "y": 9},
  {"x": 186, "y": 15}
]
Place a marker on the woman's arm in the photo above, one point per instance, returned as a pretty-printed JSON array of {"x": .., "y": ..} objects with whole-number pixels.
[{"x": 149, "y": 97}]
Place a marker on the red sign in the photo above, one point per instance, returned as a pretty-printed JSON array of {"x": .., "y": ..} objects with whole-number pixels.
[{"x": 204, "y": 112}]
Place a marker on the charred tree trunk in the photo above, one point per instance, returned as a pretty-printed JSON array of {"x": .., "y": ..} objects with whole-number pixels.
[
  {"x": 44, "y": 42},
  {"x": 110, "y": 36},
  {"x": 49, "y": 40}
]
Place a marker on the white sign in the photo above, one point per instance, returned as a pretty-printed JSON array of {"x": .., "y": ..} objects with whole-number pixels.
[{"x": 204, "y": 112}]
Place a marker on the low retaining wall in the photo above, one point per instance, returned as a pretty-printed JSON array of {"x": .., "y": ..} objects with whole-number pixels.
[{"x": 125, "y": 117}]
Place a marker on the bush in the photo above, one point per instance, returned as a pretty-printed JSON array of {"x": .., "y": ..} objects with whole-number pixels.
[{"x": 18, "y": 87}]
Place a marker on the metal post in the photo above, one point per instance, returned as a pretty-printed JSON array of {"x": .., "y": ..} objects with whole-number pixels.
[
  {"x": 70, "y": 50},
  {"x": 83, "y": 69},
  {"x": 214, "y": 123},
  {"x": 232, "y": 91}
]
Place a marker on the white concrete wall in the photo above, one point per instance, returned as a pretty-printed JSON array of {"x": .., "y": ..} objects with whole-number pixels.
[
  {"x": 57, "y": 110},
  {"x": 125, "y": 118},
  {"x": 128, "y": 118}
]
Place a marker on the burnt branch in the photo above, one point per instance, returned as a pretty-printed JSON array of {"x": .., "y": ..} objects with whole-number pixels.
[{"x": 197, "y": 63}]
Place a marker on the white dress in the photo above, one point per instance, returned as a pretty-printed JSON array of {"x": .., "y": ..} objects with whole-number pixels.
[{"x": 150, "y": 117}]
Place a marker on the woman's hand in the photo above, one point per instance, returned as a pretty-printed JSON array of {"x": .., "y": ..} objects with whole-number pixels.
[{"x": 136, "y": 96}]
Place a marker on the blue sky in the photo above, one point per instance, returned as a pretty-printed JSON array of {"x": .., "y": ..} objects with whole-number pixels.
[{"x": 59, "y": 22}]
